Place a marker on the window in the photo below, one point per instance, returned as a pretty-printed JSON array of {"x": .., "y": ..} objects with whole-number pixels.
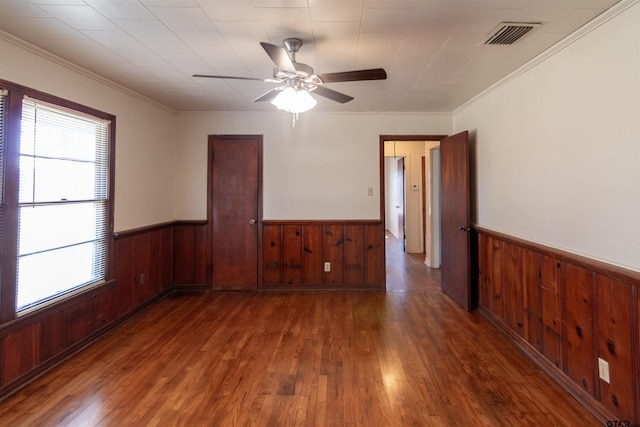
[
  {"x": 3, "y": 108},
  {"x": 63, "y": 214}
]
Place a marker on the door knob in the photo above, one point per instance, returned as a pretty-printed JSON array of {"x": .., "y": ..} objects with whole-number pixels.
[
  {"x": 252, "y": 221},
  {"x": 464, "y": 228}
]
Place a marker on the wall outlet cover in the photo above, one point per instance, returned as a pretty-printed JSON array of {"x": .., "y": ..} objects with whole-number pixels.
[{"x": 603, "y": 370}]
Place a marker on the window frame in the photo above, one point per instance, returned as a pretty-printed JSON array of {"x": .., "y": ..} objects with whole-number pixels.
[{"x": 10, "y": 200}]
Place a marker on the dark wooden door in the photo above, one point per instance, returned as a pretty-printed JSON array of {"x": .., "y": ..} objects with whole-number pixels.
[
  {"x": 235, "y": 176},
  {"x": 455, "y": 218},
  {"x": 400, "y": 207}
]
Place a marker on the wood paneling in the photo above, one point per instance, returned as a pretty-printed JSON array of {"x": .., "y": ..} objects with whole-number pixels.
[
  {"x": 105, "y": 308},
  {"x": 354, "y": 254},
  {"x": 375, "y": 257},
  {"x": 20, "y": 351},
  {"x": 141, "y": 277},
  {"x": 294, "y": 253},
  {"x": 532, "y": 305},
  {"x": 615, "y": 345},
  {"x": 485, "y": 294},
  {"x": 334, "y": 253},
  {"x": 495, "y": 257},
  {"x": 271, "y": 255},
  {"x": 125, "y": 299},
  {"x": 143, "y": 264},
  {"x": 551, "y": 309},
  {"x": 512, "y": 288},
  {"x": 579, "y": 335},
  {"x": 312, "y": 258},
  {"x": 190, "y": 254},
  {"x": 574, "y": 310},
  {"x": 81, "y": 320},
  {"x": 55, "y": 334},
  {"x": 201, "y": 264}
]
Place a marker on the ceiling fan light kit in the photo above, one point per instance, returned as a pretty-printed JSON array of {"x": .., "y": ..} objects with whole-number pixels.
[
  {"x": 299, "y": 79},
  {"x": 294, "y": 101}
]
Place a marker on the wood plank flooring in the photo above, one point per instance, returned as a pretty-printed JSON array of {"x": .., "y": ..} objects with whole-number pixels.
[{"x": 407, "y": 357}]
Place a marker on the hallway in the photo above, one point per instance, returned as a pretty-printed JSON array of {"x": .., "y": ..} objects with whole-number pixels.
[{"x": 409, "y": 356}]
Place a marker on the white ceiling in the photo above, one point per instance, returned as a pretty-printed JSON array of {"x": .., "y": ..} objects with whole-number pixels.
[{"x": 431, "y": 49}]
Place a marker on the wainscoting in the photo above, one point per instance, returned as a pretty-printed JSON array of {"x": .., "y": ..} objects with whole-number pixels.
[
  {"x": 566, "y": 312},
  {"x": 294, "y": 255}
]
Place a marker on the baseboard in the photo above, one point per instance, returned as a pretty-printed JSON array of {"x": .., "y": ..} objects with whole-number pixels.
[{"x": 585, "y": 399}]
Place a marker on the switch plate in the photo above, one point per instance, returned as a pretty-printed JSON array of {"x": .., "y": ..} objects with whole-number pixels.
[
  {"x": 327, "y": 267},
  {"x": 370, "y": 191},
  {"x": 603, "y": 370}
]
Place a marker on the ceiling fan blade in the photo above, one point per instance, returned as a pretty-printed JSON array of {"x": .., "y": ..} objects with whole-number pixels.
[
  {"x": 332, "y": 94},
  {"x": 210, "y": 76},
  {"x": 268, "y": 96},
  {"x": 279, "y": 56},
  {"x": 354, "y": 76}
]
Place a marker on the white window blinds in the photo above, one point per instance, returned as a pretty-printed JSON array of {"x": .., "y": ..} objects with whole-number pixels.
[
  {"x": 63, "y": 189},
  {"x": 3, "y": 100}
]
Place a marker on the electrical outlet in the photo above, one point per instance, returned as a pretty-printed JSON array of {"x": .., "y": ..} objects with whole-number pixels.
[
  {"x": 603, "y": 370},
  {"x": 142, "y": 279},
  {"x": 370, "y": 191},
  {"x": 327, "y": 267}
]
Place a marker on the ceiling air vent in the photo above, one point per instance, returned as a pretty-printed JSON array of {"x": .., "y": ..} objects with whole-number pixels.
[{"x": 509, "y": 32}]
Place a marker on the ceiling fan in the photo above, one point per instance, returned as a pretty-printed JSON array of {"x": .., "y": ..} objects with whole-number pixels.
[{"x": 299, "y": 78}]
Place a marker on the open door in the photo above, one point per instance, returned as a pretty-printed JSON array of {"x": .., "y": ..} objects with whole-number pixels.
[{"x": 455, "y": 218}]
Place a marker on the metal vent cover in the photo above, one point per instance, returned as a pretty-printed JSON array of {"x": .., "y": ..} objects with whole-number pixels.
[{"x": 509, "y": 32}]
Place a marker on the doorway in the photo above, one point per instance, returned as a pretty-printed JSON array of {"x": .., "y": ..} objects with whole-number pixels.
[
  {"x": 419, "y": 192},
  {"x": 455, "y": 204}
]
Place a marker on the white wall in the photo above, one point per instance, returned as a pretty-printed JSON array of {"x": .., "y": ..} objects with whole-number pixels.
[
  {"x": 432, "y": 222},
  {"x": 145, "y": 132},
  {"x": 393, "y": 196},
  {"x": 321, "y": 169},
  {"x": 558, "y": 146}
]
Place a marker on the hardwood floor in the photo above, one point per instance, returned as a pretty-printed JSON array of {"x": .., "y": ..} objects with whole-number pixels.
[{"x": 409, "y": 356}]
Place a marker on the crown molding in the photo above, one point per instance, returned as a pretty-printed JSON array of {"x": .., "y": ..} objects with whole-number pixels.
[
  {"x": 592, "y": 25},
  {"x": 22, "y": 44}
]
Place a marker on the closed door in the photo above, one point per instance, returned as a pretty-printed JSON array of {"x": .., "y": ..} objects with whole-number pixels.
[
  {"x": 455, "y": 217},
  {"x": 234, "y": 202}
]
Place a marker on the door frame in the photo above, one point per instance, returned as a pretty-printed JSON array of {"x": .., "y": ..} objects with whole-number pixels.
[
  {"x": 405, "y": 138},
  {"x": 209, "y": 239}
]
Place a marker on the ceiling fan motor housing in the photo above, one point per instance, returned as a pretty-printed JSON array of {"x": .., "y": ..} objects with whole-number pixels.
[
  {"x": 292, "y": 45},
  {"x": 301, "y": 77}
]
